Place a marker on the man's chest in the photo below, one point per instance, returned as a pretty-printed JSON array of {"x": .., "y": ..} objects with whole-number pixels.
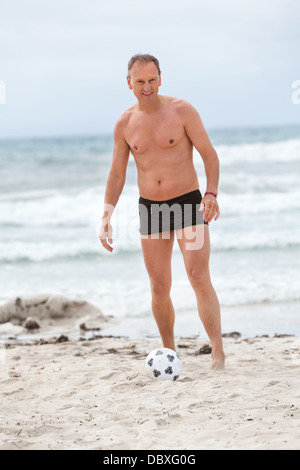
[{"x": 143, "y": 135}]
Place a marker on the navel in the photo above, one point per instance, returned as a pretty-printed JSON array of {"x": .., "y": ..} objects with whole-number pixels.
[{"x": 171, "y": 141}]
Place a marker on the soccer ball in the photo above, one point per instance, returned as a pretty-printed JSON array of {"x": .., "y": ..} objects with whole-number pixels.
[{"x": 163, "y": 364}]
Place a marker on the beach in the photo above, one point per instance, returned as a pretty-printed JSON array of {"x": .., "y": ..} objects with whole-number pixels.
[
  {"x": 49, "y": 241},
  {"x": 76, "y": 380},
  {"x": 94, "y": 394},
  {"x": 91, "y": 120}
]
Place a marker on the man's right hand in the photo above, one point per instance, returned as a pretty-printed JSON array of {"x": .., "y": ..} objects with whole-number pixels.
[{"x": 105, "y": 236}]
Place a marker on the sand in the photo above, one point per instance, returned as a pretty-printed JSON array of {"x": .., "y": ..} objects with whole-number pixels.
[{"x": 94, "y": 394}]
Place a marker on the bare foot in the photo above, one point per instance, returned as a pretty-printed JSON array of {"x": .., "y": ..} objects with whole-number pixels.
[{"x": 218, "y": 362}]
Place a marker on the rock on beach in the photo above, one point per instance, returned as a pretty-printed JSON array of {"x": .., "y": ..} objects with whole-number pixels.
[{"x": 48, "y": 310}]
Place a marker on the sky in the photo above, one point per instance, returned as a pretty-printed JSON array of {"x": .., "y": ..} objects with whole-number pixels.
[{"x": 63, "y": 63}]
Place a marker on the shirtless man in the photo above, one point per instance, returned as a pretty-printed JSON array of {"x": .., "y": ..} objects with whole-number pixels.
[{"x": 160, "y": 132}]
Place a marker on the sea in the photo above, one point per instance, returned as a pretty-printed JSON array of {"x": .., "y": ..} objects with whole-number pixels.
[{"x": 51, "y": 202}]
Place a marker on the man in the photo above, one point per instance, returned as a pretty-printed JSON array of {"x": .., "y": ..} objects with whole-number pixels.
[{"x": 160, "y": 132}]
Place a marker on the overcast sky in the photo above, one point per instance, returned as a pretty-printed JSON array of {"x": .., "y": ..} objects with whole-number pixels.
[{"x": 64, "y": 62}]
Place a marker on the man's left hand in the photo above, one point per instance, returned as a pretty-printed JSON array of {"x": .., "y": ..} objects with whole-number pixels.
[{"x": 211, "y": 208}]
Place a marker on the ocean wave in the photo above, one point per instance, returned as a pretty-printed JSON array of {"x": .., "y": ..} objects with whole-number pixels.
[
  {"x": 36, "y": 252},
  {"x": 254, "y": 287},
  {"x": 84, "y": 208},
  {"x": 39, "y": 251},
  {"x": 283, "y": 151},
  {"x": 29, "y": 195}
]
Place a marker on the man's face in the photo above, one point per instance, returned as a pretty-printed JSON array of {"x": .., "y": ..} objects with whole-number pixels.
[{"x": 145, "y": 81}]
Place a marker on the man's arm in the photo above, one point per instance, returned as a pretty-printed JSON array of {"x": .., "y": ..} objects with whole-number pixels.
[
  {"x": 115, "y": 182},
  {"x": 197, "y": 134}
]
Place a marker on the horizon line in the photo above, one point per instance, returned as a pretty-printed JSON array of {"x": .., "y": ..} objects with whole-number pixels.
[{"x": 95, "y": 135}]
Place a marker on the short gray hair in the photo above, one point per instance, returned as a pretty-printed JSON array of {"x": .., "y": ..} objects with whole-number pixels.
[{"x": 146, "y": 58}]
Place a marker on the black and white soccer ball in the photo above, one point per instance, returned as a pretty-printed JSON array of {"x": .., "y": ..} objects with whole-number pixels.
[{"x": 163, "y": 364}]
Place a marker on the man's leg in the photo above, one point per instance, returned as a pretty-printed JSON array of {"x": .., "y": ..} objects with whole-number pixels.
[
  {"x": 196, "y": 260},
  {"x": 157, "y": 256}
]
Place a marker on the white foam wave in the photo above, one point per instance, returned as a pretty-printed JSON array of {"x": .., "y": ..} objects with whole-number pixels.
[
  {"x": 51, "y": 208},
  {"x": 284, "y": 151}
]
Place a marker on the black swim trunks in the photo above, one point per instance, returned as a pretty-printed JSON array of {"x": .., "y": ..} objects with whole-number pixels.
[{"x": 172, "y": 214}]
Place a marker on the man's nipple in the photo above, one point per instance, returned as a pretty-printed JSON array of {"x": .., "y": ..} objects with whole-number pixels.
[{"x": 171, "y": 141}]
